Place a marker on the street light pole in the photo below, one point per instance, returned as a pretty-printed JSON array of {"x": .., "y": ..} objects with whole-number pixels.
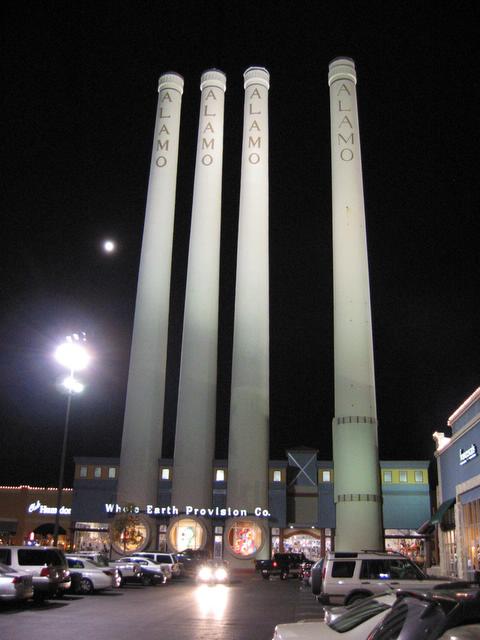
[
  {"x": 73, "y": 355},
  {"x": 62, "y": 468}
]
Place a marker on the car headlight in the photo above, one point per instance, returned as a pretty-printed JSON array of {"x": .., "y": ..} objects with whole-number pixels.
[
  {"x": 205, "y": 573},
  {"x": 221, "y": 574}
]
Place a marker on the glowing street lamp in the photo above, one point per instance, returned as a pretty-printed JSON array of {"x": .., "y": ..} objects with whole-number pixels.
[{"x": 72, "y": 355}]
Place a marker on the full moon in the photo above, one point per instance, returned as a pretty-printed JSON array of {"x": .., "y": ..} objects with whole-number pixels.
[{"x": 109, "y": 246}]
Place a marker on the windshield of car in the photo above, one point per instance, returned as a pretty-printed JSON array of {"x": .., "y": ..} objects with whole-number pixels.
[{"x": 357, "y": 614}]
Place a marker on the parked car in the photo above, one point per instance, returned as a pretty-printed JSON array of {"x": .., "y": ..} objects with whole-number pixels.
[
  {"x": 162, "y": 558},
  {"x": 213, "y": 572},
  {"x": 47, "y": 566},
  {"x": 15, "y": 585},
  {"x": 282, "y": 564},
  {"x": 432, "y": 615},
  {"x": 128, "y": 572},
  {"x": 88, "y": 576},
  {"x": 346, "y": 577},
  {"x": 153, "y": 572},
  {"x": 354, "y": 622},
  {"x": 97, "y": 557}
]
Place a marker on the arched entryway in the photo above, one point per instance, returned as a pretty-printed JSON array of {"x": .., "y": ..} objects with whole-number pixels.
[
  {"x": 43, "y": 534},
  {"x": 313, "y": 543}
]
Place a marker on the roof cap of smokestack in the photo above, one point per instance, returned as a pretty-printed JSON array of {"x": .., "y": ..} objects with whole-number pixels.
[
  {"x": 256, "y": 75},
  {"x": 213, "y": 78},
  {"x": 341, "y": 69},
  {"x": 170, "y": 80}
]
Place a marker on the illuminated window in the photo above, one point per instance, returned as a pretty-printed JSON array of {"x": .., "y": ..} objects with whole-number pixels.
[
  {"x": 131, "y": 537},
  {"x": 98, "y": 472},
  {"x": 112, "y": 472},
  {"x": 387, "y": 476},
  {"x": 245, "y": 538},
  {"x": 403, "y": 476},
  {"x": 165, "y": 474},
  {"x": 326, "y": 476},
  {"x": 418, "y": 476},
  {"x": 187, "y": 534},
  {"x": 83, "y": 471},
  {"x": 220, "y": 475},
  {"x": 277, "y": 476}
]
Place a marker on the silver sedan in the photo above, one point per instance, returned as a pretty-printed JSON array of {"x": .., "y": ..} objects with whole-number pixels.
[{"x": 15, "y": 585}]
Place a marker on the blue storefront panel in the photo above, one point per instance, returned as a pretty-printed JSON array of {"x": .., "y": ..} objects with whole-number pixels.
[{"x": 452, "y": 471}]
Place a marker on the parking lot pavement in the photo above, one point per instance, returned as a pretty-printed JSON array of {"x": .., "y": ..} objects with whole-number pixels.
[
  {"x": 307, "y": 607},
  {"x": 247, "y": 609}
]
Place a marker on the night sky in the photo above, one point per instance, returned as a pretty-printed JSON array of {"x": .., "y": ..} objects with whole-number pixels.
[{"x": 79, "y": 98}]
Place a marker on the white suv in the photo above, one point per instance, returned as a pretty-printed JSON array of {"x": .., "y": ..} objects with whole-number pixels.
[
  {"x": 162, "y": 558},
  {"x": 347, "y": 577},
  {"x": 47, "y": 566}
]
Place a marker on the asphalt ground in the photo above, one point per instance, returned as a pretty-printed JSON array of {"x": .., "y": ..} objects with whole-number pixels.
[{"x": 247, "y": 609}]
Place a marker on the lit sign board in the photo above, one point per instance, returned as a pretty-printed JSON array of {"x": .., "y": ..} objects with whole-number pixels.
[
  {"x": 212, "y": 512},
  {"x": 38, "y": 507},
  {"x": 468, "y": 454}
]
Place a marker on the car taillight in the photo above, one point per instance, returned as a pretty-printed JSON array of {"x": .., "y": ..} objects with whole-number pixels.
[
  {"x": 274, "y": 563},
  {"x": 17, "y": 580},
  {"x": 45, "y": 572},
  {"x": 108, "y": 573}
]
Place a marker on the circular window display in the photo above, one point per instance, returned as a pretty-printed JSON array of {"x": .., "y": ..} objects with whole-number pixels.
[
  {"x": 245, "y": 538},
  {"x": 130, "y": 533},
  {"x": 187, "y": 533}
]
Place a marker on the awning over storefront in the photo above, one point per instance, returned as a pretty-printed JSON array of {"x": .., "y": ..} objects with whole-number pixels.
[
  {"x": 47, "y": 528},
  {"x": 437, "y": 518},
  {"x": 8, "y": 526},
  {"x": 470, "y": 496}
]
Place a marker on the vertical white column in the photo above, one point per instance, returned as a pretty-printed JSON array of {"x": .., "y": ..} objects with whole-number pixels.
[
  {"x": 143, "y": 421},
  {"x": 355, "y": 445},
  {"x": 196, "y": 413},
  {"x": 249, "y": 407}
]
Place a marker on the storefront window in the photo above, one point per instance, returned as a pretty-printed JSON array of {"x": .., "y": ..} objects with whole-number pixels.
[
  {"x": 218, "y": 546},
  {"x": 162, "y": 538},
  {"x": 245, "y": 538},
  {"x": 450, "y": 548},
  {"x": 92, "y": 536},
  {"x": 187, "y": 534},
  {"x": 406, "y": 542},
  {"x": 471, "y": 519},
  {"x": 129, "y": 533}
]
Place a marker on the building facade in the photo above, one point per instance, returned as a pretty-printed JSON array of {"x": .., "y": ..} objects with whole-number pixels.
[
  {"x": 27, "y": 515},
  {"x": 458, "y": 514},
  {"x": 300, "y": 515}
]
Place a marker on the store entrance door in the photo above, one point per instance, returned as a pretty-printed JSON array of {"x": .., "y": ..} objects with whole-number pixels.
[{"x": 313, "y": 544}]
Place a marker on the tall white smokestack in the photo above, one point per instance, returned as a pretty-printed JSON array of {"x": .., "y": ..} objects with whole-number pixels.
[
  {"x": 143, "y": 421},
  {"x": 195, "y": 430},
  {"x": 355, "y": 444},
  {"x": 249, "y": 410}
]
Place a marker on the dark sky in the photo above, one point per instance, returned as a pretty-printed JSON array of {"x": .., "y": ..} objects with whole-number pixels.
[{"x": 79, "y": 98}]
